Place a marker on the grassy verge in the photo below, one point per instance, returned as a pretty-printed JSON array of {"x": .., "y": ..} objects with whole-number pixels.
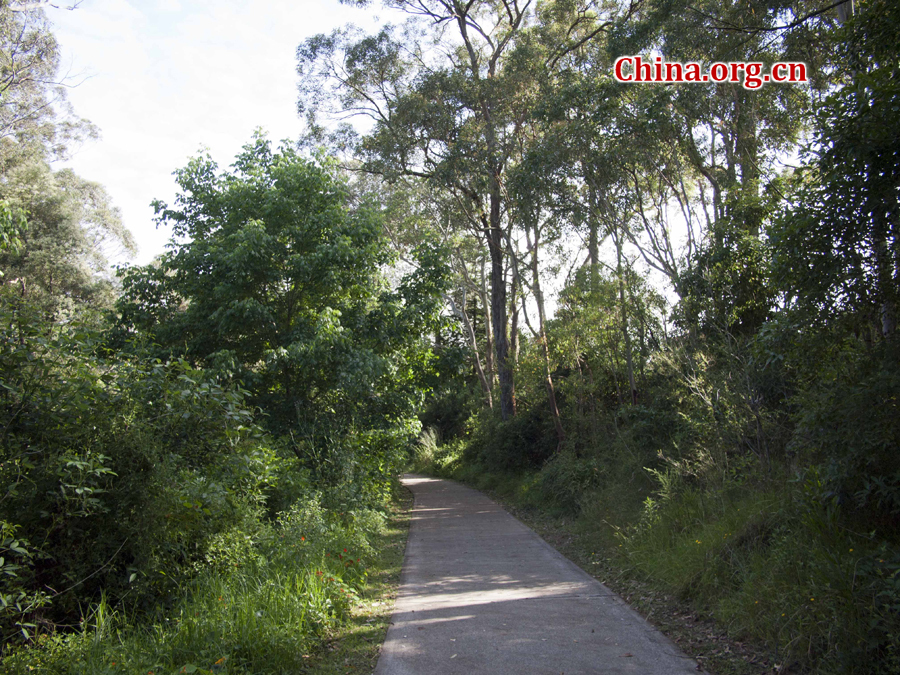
[
  {"x": 691, "y": 629},
  {"x": 312, "y": 593},
  {"x": 355, "y": 646}
]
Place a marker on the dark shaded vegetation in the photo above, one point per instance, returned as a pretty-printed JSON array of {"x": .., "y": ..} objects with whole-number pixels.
[{"x": 148, "y": 476}]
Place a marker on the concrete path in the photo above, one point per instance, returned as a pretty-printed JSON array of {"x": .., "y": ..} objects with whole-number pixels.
[{"x": 482, "y": 593}]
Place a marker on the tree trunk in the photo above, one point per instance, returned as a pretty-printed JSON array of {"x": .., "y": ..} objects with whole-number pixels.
[
  {"x": 514, "y": 324},
  {"x": 623, "y": 309},
  {"x": 747, "y": 150},
  {"x": 593, "y": 239},
  {"x": 542, "y": 338},
  {"x": 470, "y": 332},
  {"x": 884, "y": 264},
  {"x": 488, "y": 330},
  {"x": 498, "y": 307}
]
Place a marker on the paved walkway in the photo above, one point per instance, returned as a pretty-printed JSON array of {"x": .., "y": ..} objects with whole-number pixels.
[{"x": 482, "y": 593}]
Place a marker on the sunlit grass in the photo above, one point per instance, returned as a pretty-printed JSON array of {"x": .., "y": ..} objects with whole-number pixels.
[
  {"x": 354, "y": 646},
  {"x": 284, "y": 614}
]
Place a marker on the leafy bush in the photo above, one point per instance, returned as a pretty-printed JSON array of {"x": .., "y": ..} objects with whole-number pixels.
[
  {"x": 258, "y": 607},
  {"x": 848, "y": 423},
  {"x": 276, "y": 282},
  {"x": 524, "y": 441},
  {"x": 564, "y": 480},
  {"x": 776, "y": 564},
  {"x": 151, "y": 464}
]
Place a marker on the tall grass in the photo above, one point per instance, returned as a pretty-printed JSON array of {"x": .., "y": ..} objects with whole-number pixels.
[{"x": 262, "y": 616}]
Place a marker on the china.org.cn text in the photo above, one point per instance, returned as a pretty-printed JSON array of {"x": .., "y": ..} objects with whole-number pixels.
[{"x": 751, "y": 74}]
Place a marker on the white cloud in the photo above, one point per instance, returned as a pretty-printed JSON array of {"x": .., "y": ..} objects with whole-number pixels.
[
  {"x": 167, "y": 77},
  {"x": 168, "y": 5}
]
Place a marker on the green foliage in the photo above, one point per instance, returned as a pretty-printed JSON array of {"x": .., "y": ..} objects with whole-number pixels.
[
  {"x": 434, "y": 455},
  {"x": 144, "y": 439},
  {"x": 147, "y": 462},
  {"x": 293, "y": 583},
  {"x": 60, "y": 260},
  {"x": 449, "y": 408},
  {"x": 35, "y": 118},
  {"x": 587, "y": 338},
  {"x": 835, "y": 246},
  {"x": 565, "y": 479},
  {"x": 12, "y": 224},
  {"x": 275, "y": 283},
  {"x": 727, "y": 286},
  {"x": 526, "y": 440},
  {"x": 162, "y": 468},
  {"x": 19, "y": 600},
  {"x": 848, "y": 424},
  {"x": 776, "y": 563}
]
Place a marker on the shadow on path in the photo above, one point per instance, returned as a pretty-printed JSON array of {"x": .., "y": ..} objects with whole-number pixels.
[{"x": 482, "y": 593}]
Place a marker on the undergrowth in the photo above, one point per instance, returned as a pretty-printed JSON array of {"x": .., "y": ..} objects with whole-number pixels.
[{"x": 266, "y": 611}]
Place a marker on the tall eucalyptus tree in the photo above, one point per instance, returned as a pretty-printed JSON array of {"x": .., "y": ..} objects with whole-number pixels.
[
  {"x": 59, "y": 257},
  {"x": 725, "y": 143},
  {"x": 451, "y": 96}
]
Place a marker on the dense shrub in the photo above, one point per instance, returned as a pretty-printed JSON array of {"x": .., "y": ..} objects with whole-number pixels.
[
  {"x": 848, "y": 423},
  {"x": 524, "y": 441},
  {"x": 262, "y": 599},
  {"x": 117, "y": 475}
]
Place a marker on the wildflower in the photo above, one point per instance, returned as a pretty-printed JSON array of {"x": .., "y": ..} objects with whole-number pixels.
[
  {"x": 302, "y": 538},
  {"x": 345, "y": 550},
  {"x": 220, "y": 661},
  {"x": 851, "y": 550},
  {"x": 812, "y": 599}
]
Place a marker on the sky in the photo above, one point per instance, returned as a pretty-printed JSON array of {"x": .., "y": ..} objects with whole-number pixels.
[{"x": 163, "y": 79}]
